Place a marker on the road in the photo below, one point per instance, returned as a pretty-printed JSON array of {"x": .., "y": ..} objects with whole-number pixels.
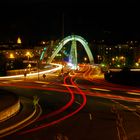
[{"x": 79, "y": 106}]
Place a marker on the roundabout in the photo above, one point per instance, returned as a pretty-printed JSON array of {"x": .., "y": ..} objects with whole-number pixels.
[
  {"x": 16, "y": 112},
  {"x": 9, "y": 105}
]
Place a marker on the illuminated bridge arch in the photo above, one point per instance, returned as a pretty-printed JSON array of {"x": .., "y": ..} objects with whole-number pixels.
[{"x": 72, "y": 38}]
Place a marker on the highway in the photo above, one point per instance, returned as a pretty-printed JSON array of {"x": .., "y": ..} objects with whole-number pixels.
[{"x": 79, "y": 106}]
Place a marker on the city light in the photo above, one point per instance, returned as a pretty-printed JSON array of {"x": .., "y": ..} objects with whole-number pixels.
[
  {"x": 113, "y": 59},
  {"x": 102, "y": 65},
  {"x": 70, "y": 64},
  {"x": 137, "y": 64},
  {"x": 28, "y": 53},
  {"x": 11, "y": 56},
  {"x": 122, "y": 58},
  {"x": 43, "y": 42},
  {"x": 118, "y": 66},
  {"x": 19, "y": 40},
  {"x": 85, "y": 58}
]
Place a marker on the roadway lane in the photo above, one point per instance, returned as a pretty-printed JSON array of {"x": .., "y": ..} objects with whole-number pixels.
[{"x": 108, "y": 114}]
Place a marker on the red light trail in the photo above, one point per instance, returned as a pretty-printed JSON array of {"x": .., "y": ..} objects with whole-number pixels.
[{"x": 61, "y": 109}]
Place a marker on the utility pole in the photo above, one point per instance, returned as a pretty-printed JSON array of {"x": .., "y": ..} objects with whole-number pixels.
[{"x": 38, "y": 68}]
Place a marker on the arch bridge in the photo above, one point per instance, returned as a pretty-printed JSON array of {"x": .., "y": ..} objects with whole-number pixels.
[{"x": 73, "y": 50}]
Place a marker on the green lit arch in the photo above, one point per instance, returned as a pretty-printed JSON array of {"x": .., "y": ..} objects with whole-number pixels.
[{"x": 71, "y": 38}]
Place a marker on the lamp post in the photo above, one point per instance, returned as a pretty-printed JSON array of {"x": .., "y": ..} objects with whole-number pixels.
[
  {"x": 28, "y": 55},
  {"x": 38, "y": 68}
]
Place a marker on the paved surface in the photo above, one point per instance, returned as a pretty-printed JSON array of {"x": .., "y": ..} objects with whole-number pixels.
[
  {"x": 27, "y": 114},
  {"x": 110, "y": 111},
  {"x": 7, "y": 99}
]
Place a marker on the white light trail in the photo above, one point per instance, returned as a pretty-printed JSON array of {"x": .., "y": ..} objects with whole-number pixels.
[
  {"x": 133, "y": 93},
  {"x": 90, "y": 116},
  {"x": 59, "y": 66},
  {"x": 100, "y": 89}
]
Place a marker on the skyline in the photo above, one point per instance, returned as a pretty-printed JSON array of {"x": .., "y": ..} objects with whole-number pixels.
[{"x": 38, "y": 21}]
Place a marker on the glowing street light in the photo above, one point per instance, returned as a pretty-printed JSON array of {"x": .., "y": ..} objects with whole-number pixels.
[
  {"x": 116, "y": 57},
  {"x": 118, "y": 66},
  {"x": 28, "y": 54},
  {"x": 43, "y": 42},
  {"x": 85, "y": 58},
  {"x": 11, "y": 56},
  {"x": 137, "y": 64},
  {"x": 113, "y": 59},
  {"x": 122, "y": 58}
]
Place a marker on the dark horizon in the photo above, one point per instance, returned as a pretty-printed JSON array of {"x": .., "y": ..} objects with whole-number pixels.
[{"x": 43, "y": 20}]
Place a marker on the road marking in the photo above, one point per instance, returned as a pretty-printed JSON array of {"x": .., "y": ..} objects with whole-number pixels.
[
  {"x": 44, "y": 85},
  {"x": 100, "y": 89},
  {"x": 5, "y": 82},
  {"x": 11, "y": 81},
  {"x": 68, "y": 85},
  {"x": 40, "y": 82},
  {"x": 133, "y": 93},
  {"x": 90, "y": 116},
  {"x": 128, "y": 108},
  {"x": 50, "y": 74},
  {"x": 118, "y": 133},
  {"x": 136, "y": 114},
  {"x": 15, "y": 80},
  {"x": 77, "y": 102},
  {"x": 137, "y": 106}
]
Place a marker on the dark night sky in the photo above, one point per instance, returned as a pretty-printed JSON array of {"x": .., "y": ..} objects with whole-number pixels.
[{"x": 40, "y": 19}]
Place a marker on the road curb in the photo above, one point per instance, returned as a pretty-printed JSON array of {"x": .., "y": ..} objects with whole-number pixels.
[{"x": 23, "y": 123}]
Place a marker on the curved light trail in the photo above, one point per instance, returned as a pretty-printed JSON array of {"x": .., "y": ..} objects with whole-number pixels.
[
  {"x": 59, "y": 66},
  {"x": 99, "y": 94},
  {"x": 62, "y": 108},
  {"x": 65, "y": 117},
  {"x": 72, "y": 92},
  {"x": 108, "y": 87},
  {"x": 116, "y": 97}
]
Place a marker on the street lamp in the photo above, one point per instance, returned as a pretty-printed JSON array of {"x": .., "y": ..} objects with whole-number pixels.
[
  {"x": 28, "y": 54},
  {"x": 113, "y": 59},
  {"x": 85, "y": 59},
  {"x": 137, "y": 64},
  {"x": 38, "y": 68},
  {"x": 11, "y": 56}
]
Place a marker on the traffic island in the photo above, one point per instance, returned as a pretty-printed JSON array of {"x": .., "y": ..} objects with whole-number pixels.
[
  {"x": 9, "y": 105},
  {"x": 27, "y": 113}
]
